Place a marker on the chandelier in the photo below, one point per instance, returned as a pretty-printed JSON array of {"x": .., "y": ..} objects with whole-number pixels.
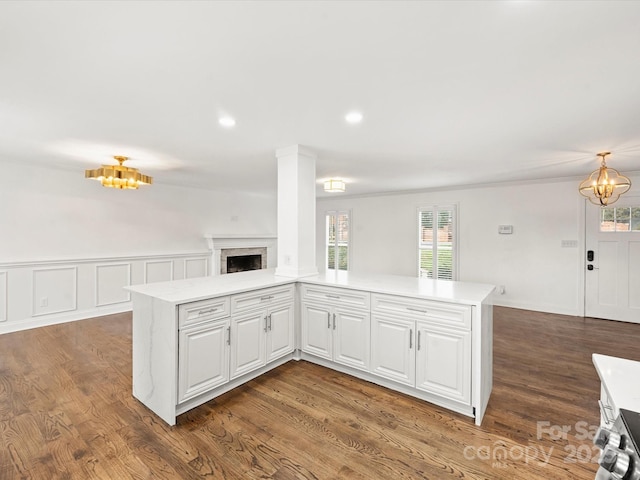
[
  {"x": 119, "y": 176},
  {"x": 605, "y": 185},
  {"x": 334, "y": 185}
]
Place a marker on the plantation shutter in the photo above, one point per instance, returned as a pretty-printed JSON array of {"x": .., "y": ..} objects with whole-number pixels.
[
  {"x": 437, "y": 242},
  {"x": 337, "y": 245}
]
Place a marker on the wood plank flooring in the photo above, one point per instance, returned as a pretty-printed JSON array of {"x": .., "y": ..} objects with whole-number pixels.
[{"x": 66, "y": 412}]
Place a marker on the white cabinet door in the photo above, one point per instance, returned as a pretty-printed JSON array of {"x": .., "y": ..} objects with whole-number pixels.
[
  {"x": 203, "y": 358},
  {"x": 280, "y": 339},
  {"x": 393, "y": 348},
  {"x": 317, "y": 330},
  {"x": 248, "y": 342},
  {"x": 444, "y": 362},
  {"x": 351, "y": 338}
]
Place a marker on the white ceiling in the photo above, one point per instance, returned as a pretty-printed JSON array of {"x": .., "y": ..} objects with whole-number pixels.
[{"x": 452, "y": 93}]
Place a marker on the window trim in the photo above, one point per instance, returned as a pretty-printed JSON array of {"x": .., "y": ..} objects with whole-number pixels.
[{"x": 455, "y": 244}]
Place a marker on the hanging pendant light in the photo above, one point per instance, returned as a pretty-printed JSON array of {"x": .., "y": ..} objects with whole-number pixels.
[
  {"x": 119, "y": 176},
  {"x": 605, "y": 185}
]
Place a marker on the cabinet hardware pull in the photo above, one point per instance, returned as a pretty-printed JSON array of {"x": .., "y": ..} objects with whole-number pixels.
[
  {"x": 332, "y": 296},
  {"x": 419, "y": 332},
  {"x": 229, "y": 335},
  {"x": 334, "y": 321},
  {"x": 604, "y": 408},
  {"x": 328, "y": 320},
  {"x": 266, "y": 322},
  {"x": 417, "y": 310},
  {"x": 268, "y": 297},
  {"x": 269, "y": 322},
  {"x": 210, "y": 310},
  {"x": 410, "y": 339}
]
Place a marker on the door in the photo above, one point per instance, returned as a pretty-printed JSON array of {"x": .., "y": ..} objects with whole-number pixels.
[
  {"x": 443, "y": 362},
  {"x": 317, "y": 330},
  {"x": 612, "y": 277},
  {"x": 248, "y": 342},
  {"x": 280, "y": 332},
  {"x": 393, "y": 349},
  {"x": 203, "y": 358},
  {"x": 351, "y": 338}
]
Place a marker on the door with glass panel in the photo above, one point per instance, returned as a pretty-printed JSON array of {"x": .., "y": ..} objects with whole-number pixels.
[{"x": 612, "y": 276}]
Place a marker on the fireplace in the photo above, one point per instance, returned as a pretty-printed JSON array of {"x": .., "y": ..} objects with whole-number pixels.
[
  {"x": 242, "y": 259},
  {"x": 230, "y": 254},
  {"x": 242, "y": 263}
]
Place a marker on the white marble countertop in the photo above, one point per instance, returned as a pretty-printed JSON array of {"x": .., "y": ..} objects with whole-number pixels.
[
  {"x": 619, "y": 377},
  {"x": 194, "y": 289},
  {"x": 441, "y": 290}
]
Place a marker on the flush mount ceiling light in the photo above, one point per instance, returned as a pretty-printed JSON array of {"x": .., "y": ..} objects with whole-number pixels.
[
  {"x": 334, "y": 185},
  {"x": 605, "y": 185},
  {"x": 227, "y": 122},
  {"x": 353, "y": 117},
  {"x": 119, "y": 176}
]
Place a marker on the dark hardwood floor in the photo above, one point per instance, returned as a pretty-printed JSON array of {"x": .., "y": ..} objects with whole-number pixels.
[{"x": 66, "y": 412}]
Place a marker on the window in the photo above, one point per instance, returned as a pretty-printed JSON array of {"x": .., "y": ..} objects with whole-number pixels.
[
  {"x": 437, "y": 242},
  {"x": 620, "y": 219},
  {"x": 337, "y": 231}
]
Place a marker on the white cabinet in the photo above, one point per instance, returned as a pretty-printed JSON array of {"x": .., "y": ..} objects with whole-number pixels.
[
  {"x": 204, "y": 358},
  {"x": 392, "y": 352},
  {"x": 248, "y": 344},
  {"x": 262, "y": 328},
  {"x": 443, "y": 361},
  {"x": 333, "y": 331},
  {"x": 423, "y": 344},
  {"x": 280, "y": 331},
  {"x": 203, "y": 347}
]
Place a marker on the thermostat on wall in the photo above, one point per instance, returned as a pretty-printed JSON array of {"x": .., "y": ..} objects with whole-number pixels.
[{"x": 505, "y": 229}]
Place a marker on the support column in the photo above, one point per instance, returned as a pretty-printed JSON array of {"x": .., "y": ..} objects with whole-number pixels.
[{"x": 296, "y": 212}]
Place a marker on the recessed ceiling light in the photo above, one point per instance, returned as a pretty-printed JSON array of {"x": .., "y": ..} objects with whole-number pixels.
[
  {"x": 353, "y": 117},
  {"x": 227, "y": 122}
]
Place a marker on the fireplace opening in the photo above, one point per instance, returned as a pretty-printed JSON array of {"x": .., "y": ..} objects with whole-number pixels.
[{"x": 242, "y": 263}]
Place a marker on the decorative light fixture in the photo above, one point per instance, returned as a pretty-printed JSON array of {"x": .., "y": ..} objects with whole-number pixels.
[
  {"x": 353, "y": 117},
  {"x": 605, "y": 185},
  {"x": 334, "y": 185},
  {"x": 119, "y": 176}
]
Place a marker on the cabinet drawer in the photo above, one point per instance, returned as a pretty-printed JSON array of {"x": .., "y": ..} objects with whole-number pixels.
[
  {"x": 336, "y": 296},
  {"x": 195, "y": 312},
  {"x": 260, "y": 298},
  {"x": 449, "y": 314}
]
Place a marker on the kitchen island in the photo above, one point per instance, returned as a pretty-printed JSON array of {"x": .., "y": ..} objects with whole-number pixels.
[{"x": 196, "y": 339}]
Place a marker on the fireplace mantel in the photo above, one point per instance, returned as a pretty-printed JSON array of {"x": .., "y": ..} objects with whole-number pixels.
[{"x": 218, "y": 242}]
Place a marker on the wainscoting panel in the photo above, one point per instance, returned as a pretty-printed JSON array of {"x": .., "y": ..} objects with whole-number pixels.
[
  {"x": 634, "y": 275},
  {"x": 39, "y": 293},
  {"x": 110, "y": 280},
  {"x": 158, "y": 271},
  {"x": 195, "y": 267},
  {"x": 55, "y": 290},
  {"x": 3, "y": 296}
]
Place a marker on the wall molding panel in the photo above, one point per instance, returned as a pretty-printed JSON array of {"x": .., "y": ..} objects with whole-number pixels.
[
  {"x": 3, "y": 296},
  {"x": 55, "y": 290},
  {"x": 36, "y": 294},
  {"x": 195, "y": 267},
  {"x": 110, "y": 280},
  {"x": 158, "y": 271}
]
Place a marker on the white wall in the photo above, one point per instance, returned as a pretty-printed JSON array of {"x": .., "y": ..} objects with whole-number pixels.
[
  {"x": 68, "y": 245},
  {"x": 52, "y": 214},
  {"x": 537, "y": 273}
]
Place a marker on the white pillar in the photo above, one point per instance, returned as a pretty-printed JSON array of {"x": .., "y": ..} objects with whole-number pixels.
[{"x": 296, "y": 212}]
